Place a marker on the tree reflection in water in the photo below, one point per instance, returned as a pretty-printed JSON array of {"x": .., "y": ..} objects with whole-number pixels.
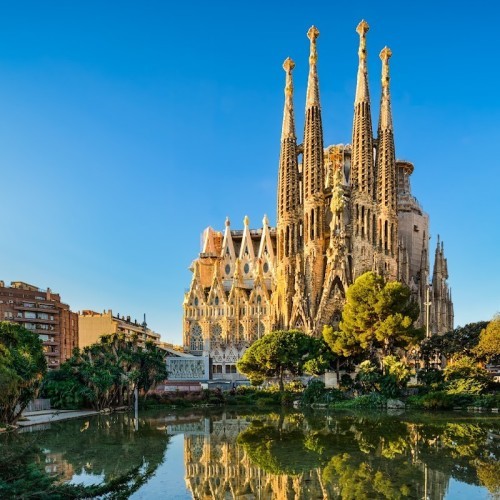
[
  {"x": 259, "y": 456},
  {"x": 104, "y": 451},
  {"x": 342, "y": 456}
]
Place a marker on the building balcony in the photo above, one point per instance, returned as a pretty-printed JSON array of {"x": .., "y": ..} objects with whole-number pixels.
[
  {"x": 48, "y": 310},
  {"x": 38, "y": 320}
]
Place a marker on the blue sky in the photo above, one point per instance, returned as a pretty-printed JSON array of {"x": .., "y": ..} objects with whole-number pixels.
[{"x": 126, "y": 128}]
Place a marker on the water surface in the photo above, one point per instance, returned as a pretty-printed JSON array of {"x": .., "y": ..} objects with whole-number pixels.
[{"x": 297, "y": 455}]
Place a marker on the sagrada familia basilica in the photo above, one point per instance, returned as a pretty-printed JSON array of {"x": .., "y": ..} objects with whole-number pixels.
[{"x": 342, "y": 210}]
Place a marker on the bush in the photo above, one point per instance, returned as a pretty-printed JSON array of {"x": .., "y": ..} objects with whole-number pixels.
[
  {"x": 464, "y": 367},
  {"x": 488, "y": 401},
  {"x": 465, "y": 386},
  {"x": 373, "y": 400},
  {"x": 266, "y": 401},
  {"x": 368, "y": 377},
  {"x": 346, "y": 382},
  {"x": 431, "y": 379},
  {"x": 438, "y": 400},
  {"x": 294, "y": 386},
  {"x": 313, "y": 392}
]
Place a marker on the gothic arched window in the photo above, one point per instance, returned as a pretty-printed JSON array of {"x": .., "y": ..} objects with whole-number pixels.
[
  {"x": 196, "y": 338},
  {"x": 215, "y": 334}
]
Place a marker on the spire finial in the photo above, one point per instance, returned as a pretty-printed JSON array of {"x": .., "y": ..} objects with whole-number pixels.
[
  {"x": 385, "y": 55},
  {"x": 288, "y": 129},
  {"x": 313, "y": 34},
  {"x": 362, "y": 92},
  {"x": 228, "y": 222},
  {"x": 312, "y": 83},
  {"x": 385, "y": 109},
  {"x": 246, "y": 221},
  {"x": 288, "y": 66},
  {"x": 362, "y": 29},
  {"x": 265, "y": 221}
]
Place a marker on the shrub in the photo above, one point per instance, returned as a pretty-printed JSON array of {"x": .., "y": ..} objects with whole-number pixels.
[
  {"x": 266, "y": 401},
  {"x": 465, "y": 386},
  {"x": 346, "y": 382},
  {"x": 431, "y": 378},
  {"x": 368, "y": 377},
  {"x": 438, "y": 400},
  {"x": 373, "y": 400},
  {"x": 313, "y": 392},
  {"x": 294, "y": 386}
]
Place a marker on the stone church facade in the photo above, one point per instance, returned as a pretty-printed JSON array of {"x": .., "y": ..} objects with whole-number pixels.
[{"x": 342, "y": 210}]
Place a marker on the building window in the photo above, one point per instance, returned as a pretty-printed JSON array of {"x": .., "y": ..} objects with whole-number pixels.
[
  {"x": 231, "y": 369},
  {"x": 215, "y": 334},
  {"x": 216, "y": 369},
  {"x": 196, "y": 338}
]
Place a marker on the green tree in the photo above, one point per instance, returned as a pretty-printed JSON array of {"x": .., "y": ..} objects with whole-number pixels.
[
  {"x": 22, "y": 366},
  {"x": 377, "y": 319},
  {"x": 396, "y": 376},
  {"x": 488, "y": 347},
  {"x": 105, "y": 374},
  {"x": 277, "y": 353},
  {"x": 460, "y": 341},
  {"x": 464, "y": 375}
]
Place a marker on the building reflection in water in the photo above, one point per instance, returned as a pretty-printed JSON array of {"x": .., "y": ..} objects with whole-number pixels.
[
  {"x": 325, "y": 458},
  {"x": 217, "y": 467}
]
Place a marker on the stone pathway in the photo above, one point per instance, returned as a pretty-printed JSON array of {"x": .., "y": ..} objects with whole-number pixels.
[{"x": 48, "y": 416}]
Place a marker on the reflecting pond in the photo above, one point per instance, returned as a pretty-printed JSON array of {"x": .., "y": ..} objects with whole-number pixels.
[{"x": 294, "y": 455}]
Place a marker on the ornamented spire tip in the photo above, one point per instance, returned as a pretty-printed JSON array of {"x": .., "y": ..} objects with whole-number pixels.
[
  {"x": 313, "y": 33},
  {"x": 228, "y": 222},
  {"x": 265, "y": 220},
  {"x": 363, "y": 28},
  {"x": 385, "y": 54},
  {"x": 246, "y": 221},
  {"x": 288, "y": 65}
]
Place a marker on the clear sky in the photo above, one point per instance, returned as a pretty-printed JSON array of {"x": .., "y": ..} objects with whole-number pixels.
[{"x": 128, "y": 127}]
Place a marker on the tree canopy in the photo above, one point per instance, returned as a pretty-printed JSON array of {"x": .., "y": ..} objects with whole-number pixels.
[
  {"x": 378, "y": 317},
  {"x": 488, "y": 347},
  {"x": 463, "y": 340},
  {"x": 22, "y": 367},
  {"x": 279, "y": 352},
  {"x": 106, "y": 373}
]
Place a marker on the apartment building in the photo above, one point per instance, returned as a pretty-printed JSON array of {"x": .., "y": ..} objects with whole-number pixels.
[
  {"x": 42, "y": 312},
  {"x": 92, "y": 325}
]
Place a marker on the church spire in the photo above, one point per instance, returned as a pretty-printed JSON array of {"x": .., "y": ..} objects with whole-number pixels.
[
  {"x": 288, "y": 183},
  {"x": 362, "y": 170},
  {"x": 313, "y": 129},
  {"x": 313, "y": 186},
  {"x": 386, "y": 157},
  {"x": 288, "y": 129}
]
